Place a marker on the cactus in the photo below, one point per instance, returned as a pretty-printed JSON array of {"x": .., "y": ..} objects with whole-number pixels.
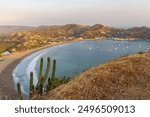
[
  {"x": 49, "y": 84},
  {"x": 41, "y": 80},
  {"x": 41, "y": 87},
  {"x": 40, "y": 70},
  {"x": 54, "y": 70},
  {"x": 31, "y": 84},
  {"x": 52, "y": 82},
  {"x": 19, "y": 91},
  {"x": 47, "y": 70}
]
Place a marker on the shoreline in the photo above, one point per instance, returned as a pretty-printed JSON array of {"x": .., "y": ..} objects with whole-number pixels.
[
  {"x": 7, "y": 88},
  {"x": 7, "y": 65}
]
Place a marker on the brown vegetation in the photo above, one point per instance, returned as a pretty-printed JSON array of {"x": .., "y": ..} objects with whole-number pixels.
[{"x": 24, "y": 38}]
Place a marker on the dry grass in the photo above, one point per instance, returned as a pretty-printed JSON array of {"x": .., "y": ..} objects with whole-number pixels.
[
  {"x": 1, "y": 59},
  {"x": 125, "y": 78}
]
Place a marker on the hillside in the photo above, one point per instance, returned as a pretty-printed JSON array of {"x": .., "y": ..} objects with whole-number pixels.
[
  {"x": 69, "y": 30},
  {"x": 7, "y": 41},
  {"x": 25, "y": 38},
  {"x": 140, "y": 32},
  {"x": 124, "y": 78}
]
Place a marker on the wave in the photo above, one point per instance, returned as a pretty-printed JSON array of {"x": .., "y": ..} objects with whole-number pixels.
[{"x": 31, "y": 68}]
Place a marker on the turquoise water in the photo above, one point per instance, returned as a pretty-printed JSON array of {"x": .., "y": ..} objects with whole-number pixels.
[{"x": 75, "y": 58}]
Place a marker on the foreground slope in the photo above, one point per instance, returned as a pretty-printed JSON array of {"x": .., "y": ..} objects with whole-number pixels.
[{"x": 124, "y": 78}]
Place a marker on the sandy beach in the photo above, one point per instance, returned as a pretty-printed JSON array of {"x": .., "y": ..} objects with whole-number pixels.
[{"x": 8, "y": 63}]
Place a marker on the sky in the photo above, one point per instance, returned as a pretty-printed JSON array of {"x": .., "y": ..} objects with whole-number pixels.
[{"x": 115, "y": 13}]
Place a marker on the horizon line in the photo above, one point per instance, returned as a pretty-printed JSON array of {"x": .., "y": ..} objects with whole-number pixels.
[{"x": 36, "y": 26}]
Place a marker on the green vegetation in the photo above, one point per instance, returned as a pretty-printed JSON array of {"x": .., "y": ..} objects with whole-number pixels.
[
  {"x": 19, "y": 91},
  {"x": 6, "y": 47},
  {"x": 31, "y": 84},
  {"x": 45, "y": 83},
  {"x": 41, "y": 68},
  {"x": 3, "y": 47},
  {"x": 47, "y": 69}
]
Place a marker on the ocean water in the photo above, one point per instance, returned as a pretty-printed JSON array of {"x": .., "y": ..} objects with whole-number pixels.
[{"x": 74, "y": 58}]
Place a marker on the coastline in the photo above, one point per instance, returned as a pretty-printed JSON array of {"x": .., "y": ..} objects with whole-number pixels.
[
  {"x": 125, "y": 78},
  {"x": 7, "y": 88},
  {"x": 7, "y": 65}
]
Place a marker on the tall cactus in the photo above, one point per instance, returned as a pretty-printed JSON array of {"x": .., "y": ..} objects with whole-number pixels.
[
  {"x": 52, "y": 82},
  {"x": 19, "y": 91},
  {"x": 41, "y": 87},
  {"x": 40, "y": 70},
  {"x": 47, "y": 70},
  {"x": 49, "y": 84},
  {"x": 41, "y": 80},
  {"x": 54, "y": 70},
  {"x": 31, "y": 84}
]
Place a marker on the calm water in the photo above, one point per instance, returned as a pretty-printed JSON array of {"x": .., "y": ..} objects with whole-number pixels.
[{"x": 74, "y": 58}]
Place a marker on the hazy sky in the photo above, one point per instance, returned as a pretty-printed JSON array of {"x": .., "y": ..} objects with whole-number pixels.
[{"x": 118, "y": 13}]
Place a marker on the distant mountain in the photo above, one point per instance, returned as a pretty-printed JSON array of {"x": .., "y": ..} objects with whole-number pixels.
[
  {"x": 74, "y": 30},
  {"x": 95, "y": 31},
  {"x": 77, "y": 31},
  {"x": 140, "y": 32},
  {"x": 69, "y": 30},
  {"x": 12, "y": 29},
  {"x": 24, "y": 37}
]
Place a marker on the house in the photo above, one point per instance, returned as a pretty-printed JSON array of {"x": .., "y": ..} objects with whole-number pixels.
[{"x": 6, "y": 53}]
